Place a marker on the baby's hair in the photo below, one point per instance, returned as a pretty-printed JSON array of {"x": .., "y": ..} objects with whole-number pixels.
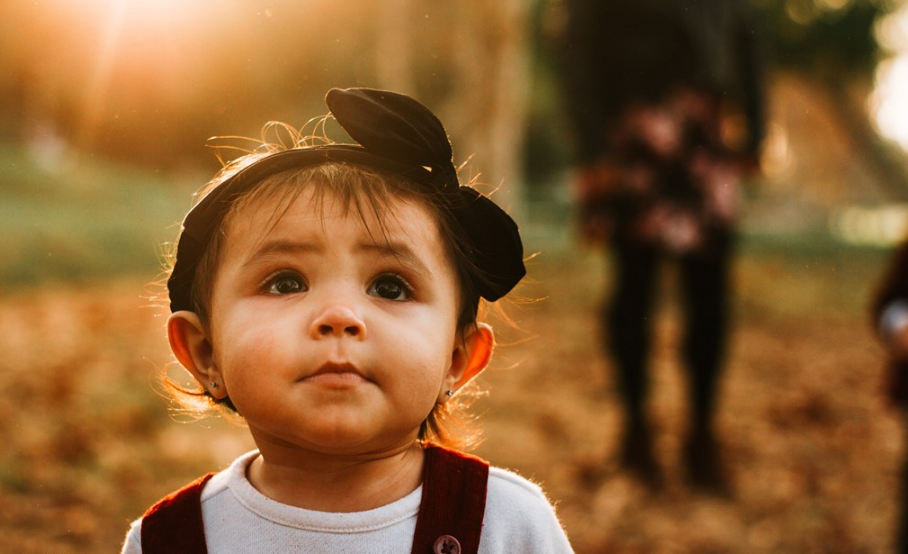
[
  {"x": 358, "y": 186},
  {"x": 362, "y": 191}
]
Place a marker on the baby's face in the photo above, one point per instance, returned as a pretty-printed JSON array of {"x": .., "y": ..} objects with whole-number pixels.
[{"x": 331, "y": 333}]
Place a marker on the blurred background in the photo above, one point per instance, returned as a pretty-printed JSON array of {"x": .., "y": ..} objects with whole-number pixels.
[{"x": 105, "y": 110}]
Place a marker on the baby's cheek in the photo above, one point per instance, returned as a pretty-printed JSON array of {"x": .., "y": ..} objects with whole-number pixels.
[
  {"x": 429, "y": 380},
  {"x": 244, "y": 356}
]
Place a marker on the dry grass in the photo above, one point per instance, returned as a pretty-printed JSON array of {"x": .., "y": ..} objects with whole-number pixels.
[{"x": 812, "y": 447}]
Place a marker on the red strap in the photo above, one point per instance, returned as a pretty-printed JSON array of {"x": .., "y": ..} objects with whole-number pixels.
[
  {"x": 449, "y": 520},
  {"x": 174, "y": 525},
  {"x": 453, "y": 503}
]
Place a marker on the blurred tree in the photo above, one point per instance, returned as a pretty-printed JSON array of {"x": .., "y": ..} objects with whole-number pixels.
[
  {"x": 474, "y": 74},
  {"x": 149, "y": 82},
  {"x": 395, "y": 46},
  {"x": 489, "y": 59},
  {"x": 833, "y": 47},
  {"x": 828, "y": 38}
]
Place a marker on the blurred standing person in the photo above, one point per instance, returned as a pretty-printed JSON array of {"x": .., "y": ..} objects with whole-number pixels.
[
  {"x": 889, "y": 309},
  {"x": 666, "y": 105}
]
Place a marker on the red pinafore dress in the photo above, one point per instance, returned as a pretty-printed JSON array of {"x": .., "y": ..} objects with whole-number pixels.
[{"x": 449, "y": 520}]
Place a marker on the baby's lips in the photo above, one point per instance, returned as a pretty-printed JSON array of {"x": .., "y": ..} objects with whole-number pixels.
[
  {"x": 336, "y": 380},
  {"x": 336, "y": 375}
]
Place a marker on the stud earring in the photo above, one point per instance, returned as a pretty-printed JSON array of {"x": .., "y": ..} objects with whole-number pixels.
[
  {"x": 450, "y": 393},
  {"x": 213, "y": 385}
]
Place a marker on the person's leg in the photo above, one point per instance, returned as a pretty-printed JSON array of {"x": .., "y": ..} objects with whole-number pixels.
[
  {"x": 901, "y": 545},
  {"x": 705, "y": 282},
  {"x": 627, "y": 328}
]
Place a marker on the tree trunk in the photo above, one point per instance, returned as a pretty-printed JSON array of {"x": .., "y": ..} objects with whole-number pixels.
[
  {"x": 888, "y": 165},
  {"x": 394, "y": 46},
  {"x": 488, "y": 105}
]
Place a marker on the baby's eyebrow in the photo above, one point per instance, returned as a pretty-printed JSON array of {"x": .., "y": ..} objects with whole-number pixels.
[
  {"x": 280, "y": 247},
  {"x": 400, "y": 251}
]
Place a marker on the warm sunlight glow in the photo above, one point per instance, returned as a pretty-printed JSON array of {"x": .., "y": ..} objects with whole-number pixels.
[
  {"x": 139, "y": 42},
  {"x": 150, "y": 12},
  {"x": 140, "y": 20},
  {"x": 889, "y": 102},
  {"x": 891, "y": 99}
]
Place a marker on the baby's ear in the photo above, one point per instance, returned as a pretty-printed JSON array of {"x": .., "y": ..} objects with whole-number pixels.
[
  {"x": 191, "y": 345},
  {"x": 472, "y": 355}
]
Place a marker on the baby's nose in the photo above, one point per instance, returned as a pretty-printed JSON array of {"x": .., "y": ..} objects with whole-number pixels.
[{"x": 338, "y": 321}]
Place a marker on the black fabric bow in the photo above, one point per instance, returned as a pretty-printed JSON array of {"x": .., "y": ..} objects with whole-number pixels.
[
  {"x": 395, "y": 133},
  {"x": 396, "y": 127}
]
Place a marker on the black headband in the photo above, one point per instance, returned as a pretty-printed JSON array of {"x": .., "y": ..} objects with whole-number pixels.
[{"x": 396, "y": 134}]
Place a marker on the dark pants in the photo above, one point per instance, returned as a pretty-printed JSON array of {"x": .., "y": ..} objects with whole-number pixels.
[
  {"x": 628, "y": 321},
  {"x": 901, "y": 546}
]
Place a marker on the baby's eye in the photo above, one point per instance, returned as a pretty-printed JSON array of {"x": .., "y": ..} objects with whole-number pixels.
[
  {"x": 286, "y": 283},
  {"x": 391, "y": 287}
]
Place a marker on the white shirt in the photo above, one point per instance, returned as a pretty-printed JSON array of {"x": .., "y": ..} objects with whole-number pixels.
[
  {"x": 893, "y": 319},
  {"x": 239, "y": 519}
]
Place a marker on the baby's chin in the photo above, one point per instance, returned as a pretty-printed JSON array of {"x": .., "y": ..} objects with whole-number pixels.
[
  {"x": 373, "y": 452},
  {"x": 349, "y": 441}
]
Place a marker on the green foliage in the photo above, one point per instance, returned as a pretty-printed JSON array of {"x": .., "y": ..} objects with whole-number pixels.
[
  {"x": 81, "y": 221},
  {"x": 816, "y": 36}
]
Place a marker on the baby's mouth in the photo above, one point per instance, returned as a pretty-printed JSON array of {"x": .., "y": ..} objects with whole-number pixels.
[{"x": 336, "y": 376}]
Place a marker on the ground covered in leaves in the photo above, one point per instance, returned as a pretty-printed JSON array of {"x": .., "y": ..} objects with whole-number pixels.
[{"x": 812, "y": 448}]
